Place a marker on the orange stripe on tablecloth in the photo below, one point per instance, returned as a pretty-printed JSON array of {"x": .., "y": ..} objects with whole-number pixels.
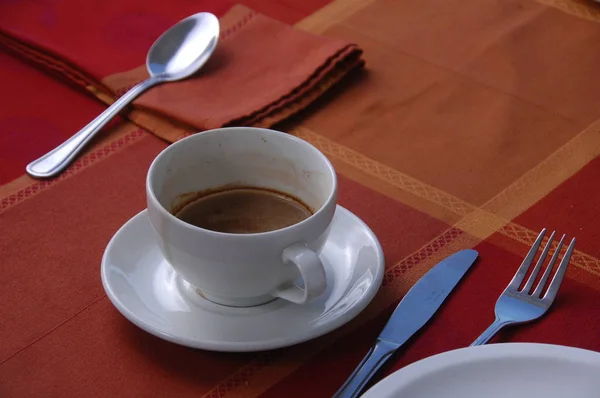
[
  {"x": 483, "y": 224},
  {"x": 527, "y": 237},
  {"x": 385, "y": 173},
  {"x": 34, "y": 187},
  {"x": 478, "y": 221},
  {"x": 256, "y": 377},
  {"x": 578, "y": 8}
]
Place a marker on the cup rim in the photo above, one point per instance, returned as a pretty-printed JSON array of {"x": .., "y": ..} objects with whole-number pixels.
[{"x": 168, "y": 214}]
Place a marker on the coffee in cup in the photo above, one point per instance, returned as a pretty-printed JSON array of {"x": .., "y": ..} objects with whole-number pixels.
[{"x": 242, "y": 210}]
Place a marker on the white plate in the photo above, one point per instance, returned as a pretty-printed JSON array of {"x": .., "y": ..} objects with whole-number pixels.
[
  {"x": 146, "y": 290},
  {"x": 510, "y": 370}
]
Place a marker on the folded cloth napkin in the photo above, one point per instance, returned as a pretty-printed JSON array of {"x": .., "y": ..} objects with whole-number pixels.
[{"x": 262, "y": 71}]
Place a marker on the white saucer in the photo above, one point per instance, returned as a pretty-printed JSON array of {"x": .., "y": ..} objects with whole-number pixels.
[{"x": 147, "y": 291}]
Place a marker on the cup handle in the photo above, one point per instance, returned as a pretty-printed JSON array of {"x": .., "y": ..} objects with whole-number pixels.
[{"x": 312, "y": 272}]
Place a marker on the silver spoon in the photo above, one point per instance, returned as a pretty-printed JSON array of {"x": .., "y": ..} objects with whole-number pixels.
[{"x": 176, "y": 54}]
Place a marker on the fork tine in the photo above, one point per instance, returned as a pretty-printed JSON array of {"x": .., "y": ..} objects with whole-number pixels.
[
  {"x": 560, "y": 274},
  {"x": 540, "y": 287},
  {"x": 522, "y": 271},
  {"x": 538, "y": 265}
]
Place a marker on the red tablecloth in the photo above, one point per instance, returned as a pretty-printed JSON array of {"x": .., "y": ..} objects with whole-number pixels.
[{"x": 474, "y": 126}]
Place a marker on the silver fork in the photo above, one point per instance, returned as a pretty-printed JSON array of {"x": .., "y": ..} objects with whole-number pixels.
[{"x": 516, "y": 306}]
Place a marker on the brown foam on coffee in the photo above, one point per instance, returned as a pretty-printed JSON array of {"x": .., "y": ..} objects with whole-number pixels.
[{"x": 241, "y": 210}]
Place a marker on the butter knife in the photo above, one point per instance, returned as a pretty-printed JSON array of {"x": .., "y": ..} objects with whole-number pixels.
[{"x": 411, "y": 314}]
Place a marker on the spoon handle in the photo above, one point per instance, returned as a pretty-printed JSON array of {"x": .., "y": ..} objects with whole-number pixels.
[{"x": 57, "y": 159}]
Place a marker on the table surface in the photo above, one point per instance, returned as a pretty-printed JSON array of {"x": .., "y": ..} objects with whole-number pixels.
[{"x": 473, "y": 125}]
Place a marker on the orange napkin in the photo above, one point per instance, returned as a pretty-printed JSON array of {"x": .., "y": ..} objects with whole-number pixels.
[{"x": 262, "y": 72}]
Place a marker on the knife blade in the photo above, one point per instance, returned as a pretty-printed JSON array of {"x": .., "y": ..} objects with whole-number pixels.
[{"x": 412, "y": 313}]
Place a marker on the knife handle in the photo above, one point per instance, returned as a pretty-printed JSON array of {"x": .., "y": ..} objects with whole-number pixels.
[{"x": 377, "y": 355}]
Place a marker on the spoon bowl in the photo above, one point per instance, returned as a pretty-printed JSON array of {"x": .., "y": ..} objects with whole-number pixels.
[{"x": 177, "y": 54}]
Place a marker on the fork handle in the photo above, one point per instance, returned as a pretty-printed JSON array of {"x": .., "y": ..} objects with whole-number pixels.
[{"x": 494, "y": 328}]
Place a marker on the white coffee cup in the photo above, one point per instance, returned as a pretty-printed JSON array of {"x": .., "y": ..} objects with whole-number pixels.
[{"x": 244, "y": 269}]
